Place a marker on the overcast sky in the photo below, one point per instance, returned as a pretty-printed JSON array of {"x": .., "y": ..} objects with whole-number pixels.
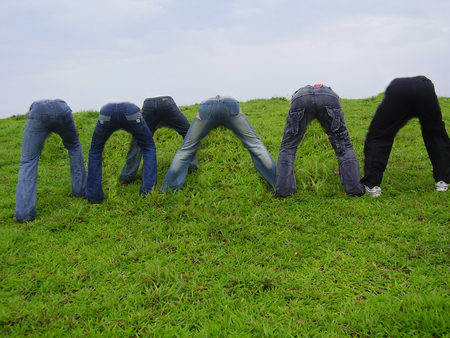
[{"x": 93, "y": 52}]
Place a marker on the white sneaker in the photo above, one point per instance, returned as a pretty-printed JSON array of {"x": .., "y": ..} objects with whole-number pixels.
[
  {"x": 374, "y": 192},
  {"x": 441, "y": 186}
]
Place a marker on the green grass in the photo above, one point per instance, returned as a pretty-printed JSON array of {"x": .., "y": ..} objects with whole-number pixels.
[{"x": 223, "y": 257}]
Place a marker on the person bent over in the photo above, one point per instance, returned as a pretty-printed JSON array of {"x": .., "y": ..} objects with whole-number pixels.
[
  {"x": 44, "y": 117},
  {"x": 321, "y": 103},
  {"x": 158, "y": 112},
  {"x": 112, "y": 117},
  {"x": 404, "y": 99},
  {"x": 219, "y": 111}
]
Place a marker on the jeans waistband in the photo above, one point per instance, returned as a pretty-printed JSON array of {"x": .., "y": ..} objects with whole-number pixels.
[
  {"x": 219, "y": 98},
  {"x": 311, "y": 90},
  {"x": 162, "y": 98}
]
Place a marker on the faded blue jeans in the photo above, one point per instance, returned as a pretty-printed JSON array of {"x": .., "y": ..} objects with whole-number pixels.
[
  {"x": 224, "y": 111},
  {"x": 115, "y": 116},
  {"x": 322, "y": 103},
  {"x": 158, "y": 112},
  {"x": 44, "y": 117}
]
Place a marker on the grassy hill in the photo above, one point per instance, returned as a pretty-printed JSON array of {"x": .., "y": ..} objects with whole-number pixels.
[{"x": 223, "y": 257}]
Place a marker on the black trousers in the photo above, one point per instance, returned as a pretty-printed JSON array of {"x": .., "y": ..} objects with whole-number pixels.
[{"x": 404, "y": 99}]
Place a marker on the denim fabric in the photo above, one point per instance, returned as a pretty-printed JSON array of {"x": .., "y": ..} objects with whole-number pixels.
[
  {"x": 406, "y": 98},
  {"x": 322, "y": 103},
  {"x": 114, "y": 116},
  {"x": 158, "y": 112},
  {"x": 44, "y": 117},
  {"x": 225, "y": 111}
]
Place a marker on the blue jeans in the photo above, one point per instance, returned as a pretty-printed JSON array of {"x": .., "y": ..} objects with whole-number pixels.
[
  {"x": 44, "y": 117},
  {"x": 158, "y": 112},
  {"x": 322, "y": 103},
  {"x": 214, "y": 112},
  {"x": 114, "y": 116}
]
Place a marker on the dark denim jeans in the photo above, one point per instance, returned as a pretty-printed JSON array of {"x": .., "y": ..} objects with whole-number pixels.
[
  {"x": 406, "y": 98},
  {"x": 225, "y": 111},
  {"x": 158, "y": 112},
  {"x": 322, "y": 103},
  {"x": 114, "y": 116},
  {"x": 44, "y": 117}
]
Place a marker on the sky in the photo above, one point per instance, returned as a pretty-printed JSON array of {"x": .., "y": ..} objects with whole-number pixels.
[{"x": 89, "y": 53}]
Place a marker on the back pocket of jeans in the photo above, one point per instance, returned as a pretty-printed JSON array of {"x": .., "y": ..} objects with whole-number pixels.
[
  {"x": 102, "y": 127},
  {"x": 232, "y": 107},
  {"x": 205, "y": 111},
  {"x": 293, "y": 120},
  {"x": 139, "y": 125},
  {"x": 337, "y": 119}
]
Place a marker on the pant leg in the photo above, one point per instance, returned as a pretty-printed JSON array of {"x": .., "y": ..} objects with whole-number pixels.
[
  {"x": 176, "y": 174},
  {"x": 35, "y": 132},
  {"x": 175, "y": 119},
  {"x": 134, "y": 155},
  {"x": 145, "y": 142},
  {"x": 437, "y": 144},
  {"x": 434, "y": 133},
  {"x": 297, "y": 122},
  {"x": 331, "y": 117},
  {"x": 261, "y": 157},
  {"x": 131, "y": 120},
  {"x": 66, "y": 129},
  {"x": 132, "y": 163},
  {"x": 392, "y": 114},
  {"x": 102, "y": 131}
]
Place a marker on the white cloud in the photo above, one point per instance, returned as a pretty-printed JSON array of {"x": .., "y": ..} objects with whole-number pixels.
[{"x": 379, "y": 29}]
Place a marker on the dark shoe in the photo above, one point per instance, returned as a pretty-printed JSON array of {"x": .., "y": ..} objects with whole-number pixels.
[
  {"x": 95, "y": 202},
  {"x": 124, "y": 182},
  {"x": 147, "y": 191},
  {"x": 192, "y": 170},
  {"x": 23, "y": 220}
]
